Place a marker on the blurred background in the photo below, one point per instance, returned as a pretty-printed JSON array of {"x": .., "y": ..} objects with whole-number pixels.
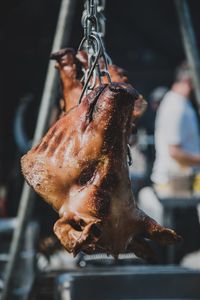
[{"x": 143, "y": 37}]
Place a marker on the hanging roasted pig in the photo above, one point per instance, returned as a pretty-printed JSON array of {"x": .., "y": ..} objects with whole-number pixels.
[{"x": 80, "y": 169}]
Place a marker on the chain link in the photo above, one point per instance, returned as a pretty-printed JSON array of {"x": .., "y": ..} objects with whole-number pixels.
[{"x": 93, "y": 22}]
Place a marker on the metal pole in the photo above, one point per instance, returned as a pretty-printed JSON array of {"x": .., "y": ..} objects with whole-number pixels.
[
  {"x": 189, "y": 42},
  {"x": 61, "y": 38}
]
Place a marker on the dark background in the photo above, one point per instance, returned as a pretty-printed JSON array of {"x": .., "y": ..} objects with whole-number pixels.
[{"x": 142, "y": 36}]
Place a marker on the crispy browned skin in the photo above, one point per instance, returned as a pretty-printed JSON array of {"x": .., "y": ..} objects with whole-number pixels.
[
  {"x": 80, "y": 169},
  {"x": 71, "y": 65},
  {"x": 70, "y": 69}
]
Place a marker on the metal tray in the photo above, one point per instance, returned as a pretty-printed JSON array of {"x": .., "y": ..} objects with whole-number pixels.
[{"x": 126, "y": 283}]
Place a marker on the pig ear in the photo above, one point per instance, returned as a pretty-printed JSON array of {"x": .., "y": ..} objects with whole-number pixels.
[
  {"x": 140, "y": 106},
  {"x": 75, "y": 232},
  {"x": 150, "y": 229}
]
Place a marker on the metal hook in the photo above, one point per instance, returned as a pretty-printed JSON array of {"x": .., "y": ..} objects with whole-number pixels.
[{"x": 92, "y": 68}]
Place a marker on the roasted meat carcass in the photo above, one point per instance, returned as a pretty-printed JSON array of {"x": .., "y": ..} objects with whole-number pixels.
[{"x": 80, "y": 169}]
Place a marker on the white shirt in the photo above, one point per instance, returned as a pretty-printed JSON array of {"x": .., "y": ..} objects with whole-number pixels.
[{"x": 176, "y": 124}]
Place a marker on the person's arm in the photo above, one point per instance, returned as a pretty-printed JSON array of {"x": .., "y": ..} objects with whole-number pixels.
[{"x": 183, "y": 157}]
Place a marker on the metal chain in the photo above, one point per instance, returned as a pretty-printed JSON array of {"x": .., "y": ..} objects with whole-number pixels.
[{"x": 93, "y": 22}]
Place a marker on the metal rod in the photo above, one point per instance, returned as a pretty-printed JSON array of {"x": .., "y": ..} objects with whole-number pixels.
[
  {"x": 189, "y": 42},
  {"x": 61, "y": 38}
]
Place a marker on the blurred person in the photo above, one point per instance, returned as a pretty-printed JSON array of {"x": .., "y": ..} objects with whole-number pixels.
[
  {"x": 177, "y": 139},
  {"x": 177, "y": 157}
]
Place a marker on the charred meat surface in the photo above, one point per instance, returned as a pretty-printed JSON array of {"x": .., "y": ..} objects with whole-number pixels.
[{"x": 80, "y": 169}]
